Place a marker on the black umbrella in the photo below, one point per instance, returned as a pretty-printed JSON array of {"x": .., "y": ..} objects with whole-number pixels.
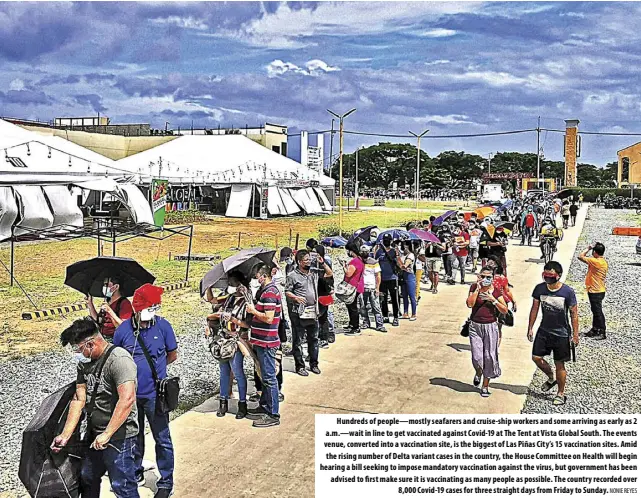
[
  {"x": 244, "y": 261},
  {"x": 45, "y": 473},
  {"x": 88, "y": 276},
  {"x": 363, "y": 233}
]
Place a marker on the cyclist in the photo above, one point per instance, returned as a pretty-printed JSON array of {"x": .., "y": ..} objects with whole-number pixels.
[{"x": 549, "y": 235}]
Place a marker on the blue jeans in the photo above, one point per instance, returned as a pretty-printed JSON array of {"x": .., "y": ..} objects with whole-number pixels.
[
  {"x": 409, "y": 291},
  {"x": 370, "y": 297},
  {"x": 234, "y": 365},
  {"x": 117, "y": 460},
  {"x": 159, "y": 425},
  {"x": 269, "y": 394}
]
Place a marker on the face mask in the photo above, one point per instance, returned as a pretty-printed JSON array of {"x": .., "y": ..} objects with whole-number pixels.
[
  {"x": 550, "y": 279},
  {"x": 231, "y": 289},
  {"x": 106, "y": 291},
  {"x": 307, "y": 266},
  {"x": 81, "y": 358},
  {"x": 486, "y": 281},
  {"x": 254, "y": 285},
  {"x": 147, "y": 315}
]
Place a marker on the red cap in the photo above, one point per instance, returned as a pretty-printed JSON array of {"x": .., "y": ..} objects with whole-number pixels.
[{"x": 146, "y": 296}]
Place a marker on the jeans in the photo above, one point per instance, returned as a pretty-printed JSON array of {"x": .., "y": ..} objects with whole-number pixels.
[
  {"x": 159, "y": 425},
  {"x": 389, "y": 288},
  {"x": 447, "y": 264},
  {"x": 596, "y": 305},
  {"x": 299, "y": 329},
  {"x": 234, "y": 365},
  {"x": 117, "y": 460},
  {"x": 460, "y": 260},
  {"x": 370, "y": 297},
  {"x": 352, "y": 311},
  {"x": 409, "y": 291},
  {"x": 269, "y": 394}
]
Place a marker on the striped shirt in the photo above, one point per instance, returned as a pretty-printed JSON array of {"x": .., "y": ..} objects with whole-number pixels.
[{"x": 266, "y": 334}]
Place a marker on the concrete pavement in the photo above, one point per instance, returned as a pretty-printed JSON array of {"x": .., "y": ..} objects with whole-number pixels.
[{"x": 420, "y": 367}]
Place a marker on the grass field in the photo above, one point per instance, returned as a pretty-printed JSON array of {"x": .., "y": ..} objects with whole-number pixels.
[
  {"x": 40, "y": 269},
  {"x": 405, "y": 204}
]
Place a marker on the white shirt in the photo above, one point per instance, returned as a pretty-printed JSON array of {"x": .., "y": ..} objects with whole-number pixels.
[{"x": 369, "y": 275}]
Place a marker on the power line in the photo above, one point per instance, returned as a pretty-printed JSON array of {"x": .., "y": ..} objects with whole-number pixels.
[
  {"x": 467, "y": 135},
  {"x": 605, "y": 133}
]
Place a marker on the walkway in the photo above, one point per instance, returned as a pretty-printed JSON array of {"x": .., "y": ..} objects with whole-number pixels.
[{"x": 420, "y": 367}]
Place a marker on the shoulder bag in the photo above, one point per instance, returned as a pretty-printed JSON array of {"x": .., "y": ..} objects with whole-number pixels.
[
  {"x": 92, "y": 404},
  {"x": 167, "y": 390},
  {"x": 465, "y": 329}
]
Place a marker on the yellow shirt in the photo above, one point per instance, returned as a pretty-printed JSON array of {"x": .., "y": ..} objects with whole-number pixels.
[{"x": 595, "y": 279}]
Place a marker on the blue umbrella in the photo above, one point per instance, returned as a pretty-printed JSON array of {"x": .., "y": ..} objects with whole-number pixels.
[
  {"x": 447, "y": 214},
  {"x": 397, "y": 234},
  {"x": 506, "y": 205},
  {"x": 334, "y": 241}
]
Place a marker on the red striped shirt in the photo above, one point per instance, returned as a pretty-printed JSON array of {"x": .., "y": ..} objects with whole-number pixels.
[{"x": 266, "y": 334}]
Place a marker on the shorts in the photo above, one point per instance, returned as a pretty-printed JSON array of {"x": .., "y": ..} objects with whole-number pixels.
[
  {"x": 433, "y": 264},
  {"x": 545, "y": 343}
]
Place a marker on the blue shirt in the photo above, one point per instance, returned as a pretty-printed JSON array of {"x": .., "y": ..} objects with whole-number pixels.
[
  {"x": 555, "y": 306},
  {"x": 387, "y": 267},
  {"x": 160, "y": 339}
]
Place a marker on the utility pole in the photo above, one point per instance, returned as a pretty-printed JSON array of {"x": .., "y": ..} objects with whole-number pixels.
[
  {"x": 331, "y": 148},
  {"x": 417, "y": 183},
  {"x": 489, "y": 163},
  {"x": 538, "y": 153},
  {"x": 356, "y": 182},
  {"x": 340, "y": 117}
]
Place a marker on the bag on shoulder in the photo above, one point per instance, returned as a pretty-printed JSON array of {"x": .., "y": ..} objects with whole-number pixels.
[
  {"x": 507, "y": 319},
  {"x": 345, "y": 292},
  {"x": 223, "y": 348}
]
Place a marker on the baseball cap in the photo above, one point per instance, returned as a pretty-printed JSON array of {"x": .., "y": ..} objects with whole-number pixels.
[{"x": 285, "y": 253}]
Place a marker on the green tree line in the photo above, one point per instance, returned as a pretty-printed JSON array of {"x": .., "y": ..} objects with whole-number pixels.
[{"x": 379, "y": 166}]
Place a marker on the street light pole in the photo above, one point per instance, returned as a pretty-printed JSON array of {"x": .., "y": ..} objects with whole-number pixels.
[
  {"x": 340, "y": 118},
  {"x": 356, "y": 182},
  {"x": 489, "y": 163},
  {"x": 538, "y": 154},
  {"x": 418, "y": 164}
]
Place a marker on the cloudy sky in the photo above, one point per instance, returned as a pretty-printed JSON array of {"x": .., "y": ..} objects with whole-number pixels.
[{"x": 455, "y": 68}]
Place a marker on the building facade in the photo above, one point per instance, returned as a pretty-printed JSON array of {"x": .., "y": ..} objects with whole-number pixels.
[{"x": 629, "y": 171}]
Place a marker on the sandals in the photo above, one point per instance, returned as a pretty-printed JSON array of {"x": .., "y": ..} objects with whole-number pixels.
[
  {"x": 559, "y": 400},
  {"x": 547, "y": 385}
]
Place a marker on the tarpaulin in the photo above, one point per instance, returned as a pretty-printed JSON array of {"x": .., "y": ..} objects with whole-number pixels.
[
  {"x": 290, "y": 204},
  {"x": 8, "y": 212},
  {"x": 275, "y": 203},
  {"x": 33, "y": 208},
  {"x": 136, "y": 203},
  {"x": 239, "y": 201},
  {"x": 327, "y": 206},
  {"x": 63, "y": 205},
  {"x": 313, "y": 200}
]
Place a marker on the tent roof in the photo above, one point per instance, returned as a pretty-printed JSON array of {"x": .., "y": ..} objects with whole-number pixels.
[{"x": 219, "y": 158}]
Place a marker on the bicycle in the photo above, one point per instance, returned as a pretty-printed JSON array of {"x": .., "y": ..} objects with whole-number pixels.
[{"x": 548, "y": 246}]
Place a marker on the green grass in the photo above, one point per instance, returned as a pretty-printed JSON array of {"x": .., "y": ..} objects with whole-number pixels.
[{"x": 407, "y": 204}]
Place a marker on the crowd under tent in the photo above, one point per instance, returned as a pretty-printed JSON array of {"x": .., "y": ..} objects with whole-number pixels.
[{"x": 234, "y": 175}]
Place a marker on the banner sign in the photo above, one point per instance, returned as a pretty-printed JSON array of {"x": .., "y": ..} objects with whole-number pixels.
[
  {"x": 159, "y": 190},
  {"x": 506, "y": 176}
]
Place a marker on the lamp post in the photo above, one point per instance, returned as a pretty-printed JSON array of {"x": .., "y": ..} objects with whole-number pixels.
[
  {"x": 340, "y": 118},
  {"x": 418, "y": 164}
]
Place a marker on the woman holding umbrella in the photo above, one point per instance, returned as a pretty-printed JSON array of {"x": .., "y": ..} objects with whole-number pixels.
[
  {"x": 230, "y": 317},
  {"x": 115, "y": 310}
]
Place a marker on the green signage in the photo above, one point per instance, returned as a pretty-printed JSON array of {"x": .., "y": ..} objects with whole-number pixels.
[{"x": 159, "y": 189}]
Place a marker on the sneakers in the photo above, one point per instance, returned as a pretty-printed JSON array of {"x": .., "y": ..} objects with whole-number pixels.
[
  {"x": 485, "y": 392},
  {"x": 386, "y": 319},
  {"x": 413, "y": 318},
  {"x": 323, "y": 344},
  {"x": 353, "y": 332},
  {"x": 266, "y": 421},
  {"x": 302, "y": 372},
  {"x": 163, "y": 493},
  {"x": 367, "y": 325},
  {"x": 381, "y": 329},
  {"x": 255, "y": 413},
  {"x": 331, "y": 339},
  {"x": 254, "y": 398},
  {"x": 395, "y": 322},
  {"x": 315, "y": 370},
  {"x": 281, "y": 397},
  {"x": 477, "y": 381}
]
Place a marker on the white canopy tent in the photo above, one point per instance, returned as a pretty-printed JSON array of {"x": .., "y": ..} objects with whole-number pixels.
[{"x": 234, "y": 161}]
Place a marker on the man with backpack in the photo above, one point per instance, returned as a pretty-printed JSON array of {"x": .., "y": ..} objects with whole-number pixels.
[
  {"x": 106, "y": 389},
  {"x": 151, "y": 341},
  {"x": 389, "y": 259}
]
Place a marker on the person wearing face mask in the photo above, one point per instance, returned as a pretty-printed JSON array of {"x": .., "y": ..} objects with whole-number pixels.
[
  {"x": 460, "y": 250},
  {"x": 556, "y": 300},
  {"x": 390, "y": 263},
  {"x": 354, "y": 275},
  {"x": 498, "y": 247},
  {"x": 486, "y": 302},
  {"x": 446, "y": 238},
  {"x": 301, "y": 291},
  {"x": 113, "y": 311},
  {"x": 230, "y": 318},
  {"x": 475, "y": 238},
  {"x": 155, "y": 334},
  {"x": 409, "y": 281},
  {"x": 106, "y": 390}
]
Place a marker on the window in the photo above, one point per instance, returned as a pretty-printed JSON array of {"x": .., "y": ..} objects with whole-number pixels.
[
  {"x": 283, "y": 148},
  {"x": 625, "y": 170},
  {"x": 276, "y": 149},
  {"x": 16, "y": 162}
]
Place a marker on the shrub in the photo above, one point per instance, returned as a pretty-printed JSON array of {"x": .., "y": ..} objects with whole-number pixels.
[
  {"x": 590, "y": 194},
  {"x": 184, "y": 217}
]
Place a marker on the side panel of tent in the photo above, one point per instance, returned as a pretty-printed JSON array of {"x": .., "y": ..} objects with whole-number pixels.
[
  {"x": 291, "y": 205},
  {"x": 239, "y": 201},
  {"x": 65, "y": 210},
  {"x": 275, "y": 203},
  {"x": 313, "y": 200},
  {"x": 327, "y": 206},
  {"x": 302, "y": 199},
  {"x": 8, "y": 212},
  {"x": 137, "y": 204},
  {"x": 34, "y": 210}
]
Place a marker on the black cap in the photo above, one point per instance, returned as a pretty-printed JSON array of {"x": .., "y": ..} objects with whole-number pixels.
[{"x": 285, "y": 253}]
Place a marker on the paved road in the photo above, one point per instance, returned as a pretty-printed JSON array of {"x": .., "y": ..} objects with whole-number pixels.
[{"x": 420, "y": 367}]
